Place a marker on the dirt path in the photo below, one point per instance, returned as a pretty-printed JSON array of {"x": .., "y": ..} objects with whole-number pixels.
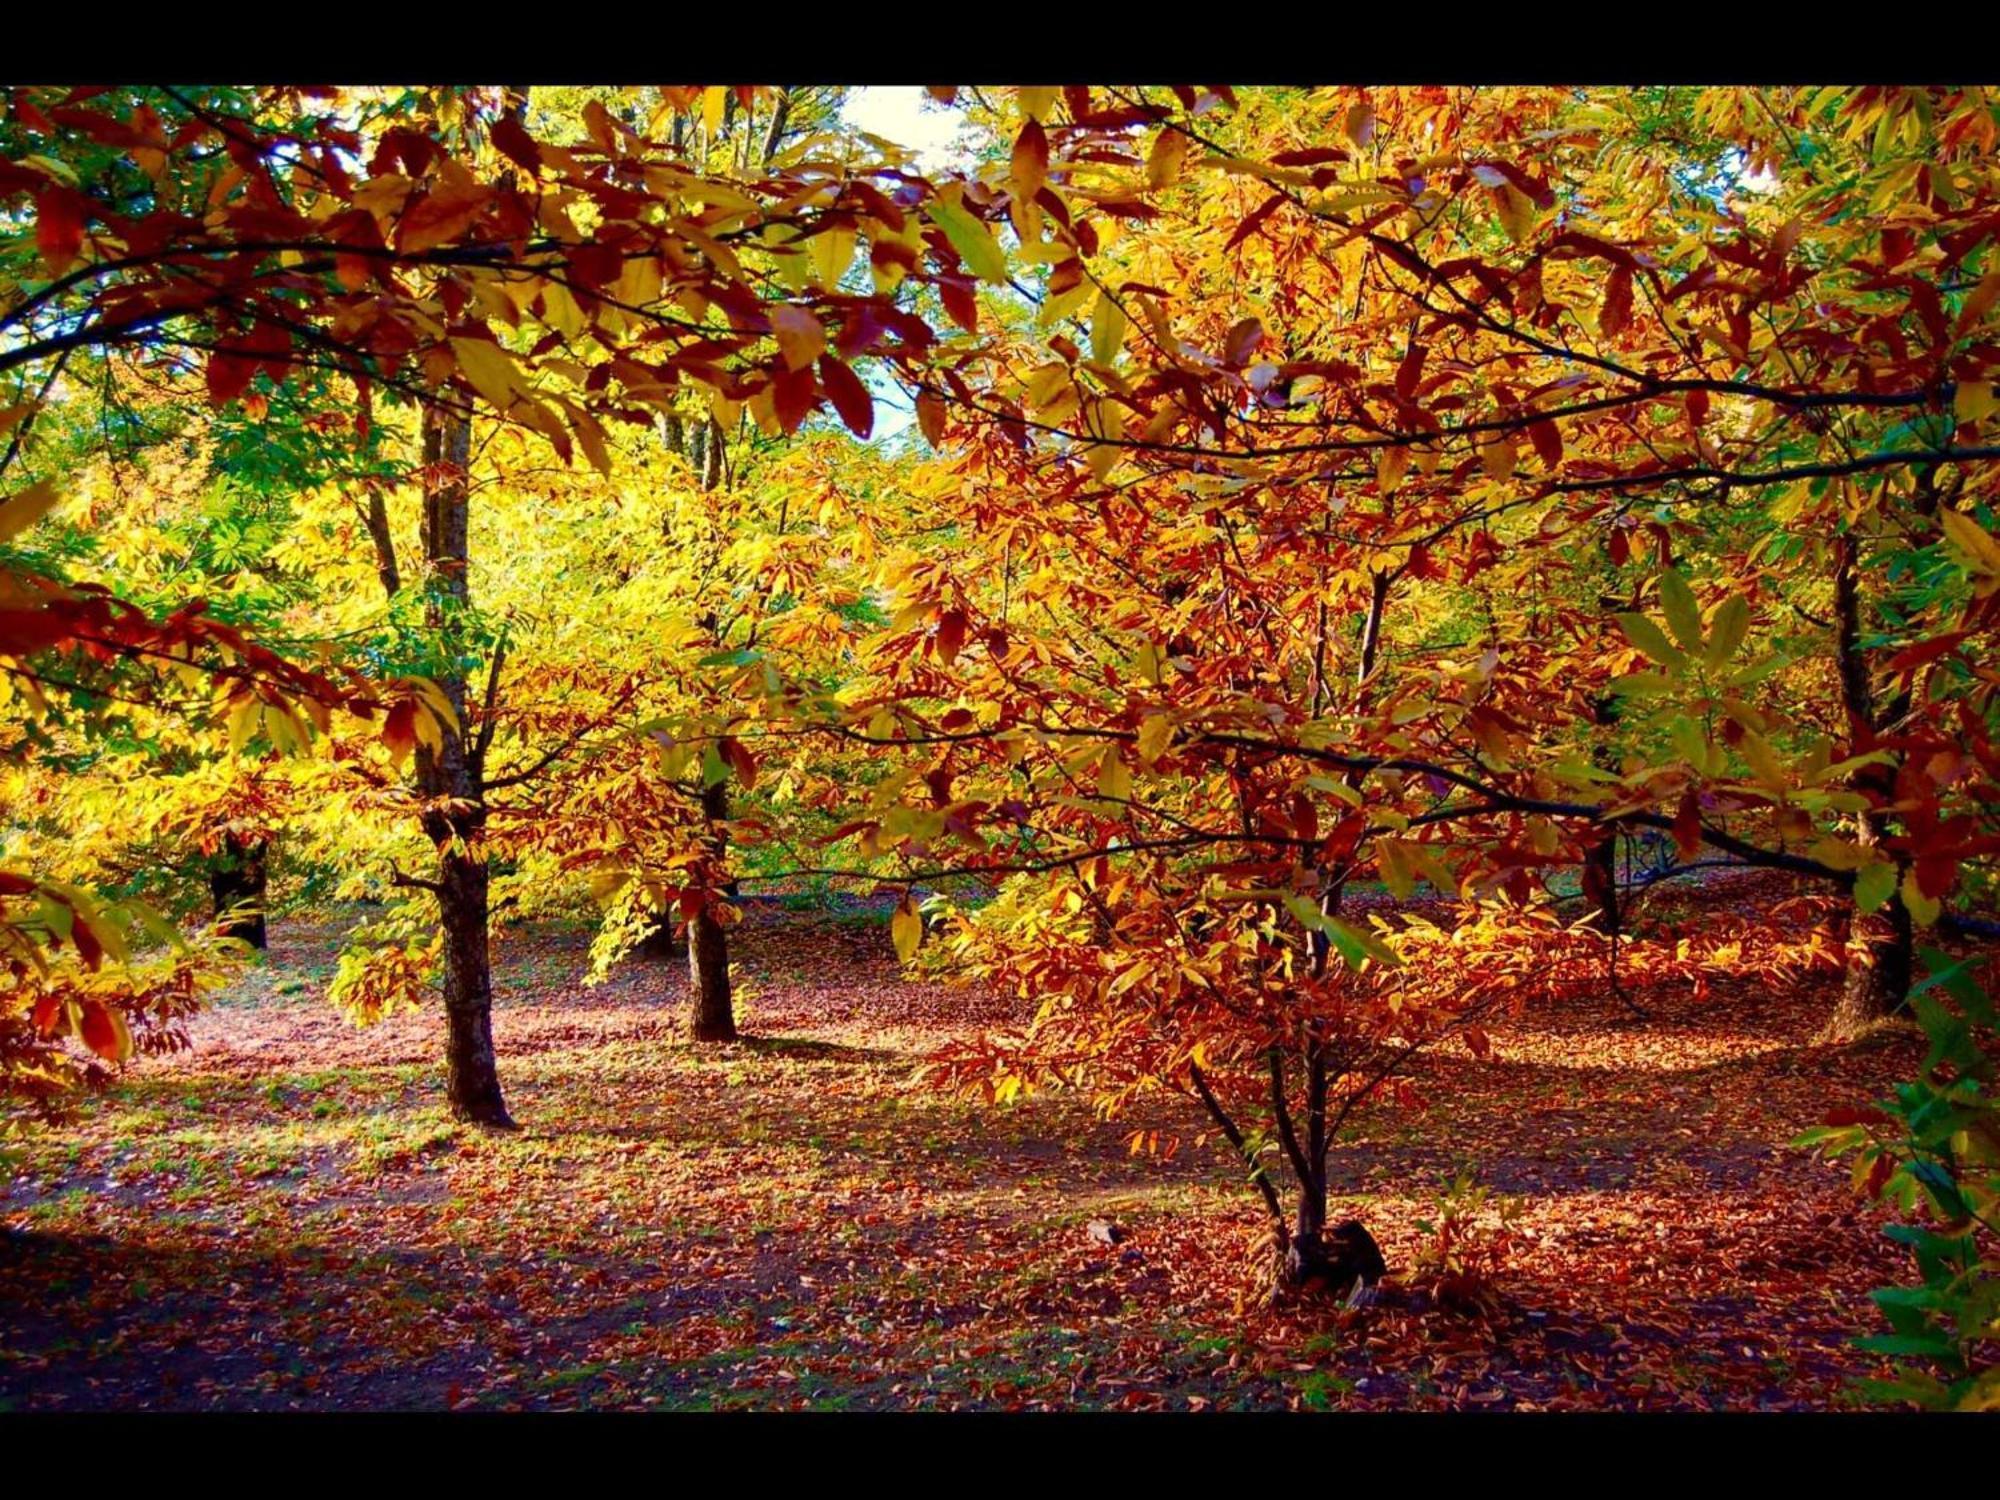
[{"x": 282, "y": 1217}]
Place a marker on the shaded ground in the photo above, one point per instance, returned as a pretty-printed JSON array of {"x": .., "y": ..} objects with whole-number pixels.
[{"x": 283, "y": 1217}]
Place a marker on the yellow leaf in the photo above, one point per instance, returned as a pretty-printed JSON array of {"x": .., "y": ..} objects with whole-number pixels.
[
  {"x": 1967, "y": 535},
  {"x": 1163, "y": 164},
  {"x": 1921, "y": 907},
  {"x": 1107, "y": 330},
  {"x": 1974, "y": 400},
  {"x": 1390, "y": 466},
  {"x": 832, "y": 254},
  {"x": 1114, "y": 782},
  {"x": 1515, "y": 210},
  {"x": 906, "y": 929},
  {"x": 22, "y": 509},
  {"x": 560, "y": 311},
  {"x": 1035, "y": 102},
  {"x": 712, "y": 102},
  {"x": 491, "y": 370}
]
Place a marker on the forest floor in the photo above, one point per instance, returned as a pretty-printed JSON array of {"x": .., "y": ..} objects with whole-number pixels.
[{"x": 283, "y": 1217}]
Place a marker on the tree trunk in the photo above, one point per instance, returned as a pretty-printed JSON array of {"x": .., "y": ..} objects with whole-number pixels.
[
  {"x": 1881, "y": 962},
  {"x": 711, "y": 1012},
  {"x": 1600, "y": 859},
  {"x": 662, "y": 942},
  {"x": 454, "y": 808},
  {"x": 238, "y": 882},
  {"x": 1880, "y": 949},
  {"x": 472, "y": 1074}
]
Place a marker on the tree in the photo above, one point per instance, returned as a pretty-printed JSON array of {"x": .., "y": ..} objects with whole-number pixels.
[
  {"x": 1365, "y": 372},
  {"x": 398, "y": 280}
]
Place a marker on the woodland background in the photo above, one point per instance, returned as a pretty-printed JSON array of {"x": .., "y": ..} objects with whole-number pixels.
[{"x": 1198, "y": 747}]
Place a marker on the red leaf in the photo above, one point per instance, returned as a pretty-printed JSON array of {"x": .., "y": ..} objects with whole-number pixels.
[
  {"x": 1243, "y": 341},
  {"x": 228, "y": 375},
  {"x": 399, "y": 727},
  {"x": 793, "y": 395},
  {"x": 849, "y": 396},
  {"x": 741, "y": 762},
  {"x": 59, "y": 226},
  {"x": 100, "y": 1032},
  {"x": 960, "y": 303},
  {"x": 1411, "y": 370},
  {"x": 1912, "y": 657},
  {"x": 1687, "y": 825},
  {"x": 513, "y": 142},
  {"x": 950, "y": 635},
  {"x": 1249, "y": 226},
  {"x": 1616, "y": 312}
]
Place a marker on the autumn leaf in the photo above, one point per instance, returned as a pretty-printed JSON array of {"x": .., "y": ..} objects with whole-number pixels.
[
  {"x": 1163, "y": 162},
  {"x": 23, "y": 508},
  {"x": 849, "y": 396},
  {"x": 801, "y": 337},
  {"x": 970, "y": 238},
  {"x": 906, "y": 929}
]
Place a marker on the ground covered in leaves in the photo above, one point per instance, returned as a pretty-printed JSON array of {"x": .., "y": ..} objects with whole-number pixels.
[{"x": 283, "y": 1217}]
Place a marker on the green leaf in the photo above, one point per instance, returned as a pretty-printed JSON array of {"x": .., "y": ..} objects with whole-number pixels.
[
  {"x": 1683, "y": 614},
  {"x": 1874, "y": 885},
  {"x": 1650, "y": 639},
  {"x": 971, "y": 239},
  {"x": 1727, "y": 629}
]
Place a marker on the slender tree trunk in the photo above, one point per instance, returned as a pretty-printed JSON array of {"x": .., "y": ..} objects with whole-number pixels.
[
  {"x": 1600, "y": 859},
  {"x": 711, "y": 1010},
  {"x": 454, "y": 808},
  {"x": 1306, "y": 1257},
  {"x": 1881, "y": 947},
  {"x": 238, "y": 881}
]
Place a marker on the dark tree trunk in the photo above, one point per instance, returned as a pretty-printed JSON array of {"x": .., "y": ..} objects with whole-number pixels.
[
  {"x": 1600, "y": 884},
  {"x": 472, "y": 1074},
  {"x": 662, "y": 942},
  {"x": 1881, "y": 948},
  {"x": 1881, "y": 964},
  {"x": 1600, "y": 859},
  {"x": 454, "y": 808},
  {"x": 237, "y": 884},
  {"x": 711, "y": 1011}
]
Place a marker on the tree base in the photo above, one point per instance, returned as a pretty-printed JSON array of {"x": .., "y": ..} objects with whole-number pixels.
[
  {"x": 1343, "y": 1262},
  {"x": 487, "y": 1116}
]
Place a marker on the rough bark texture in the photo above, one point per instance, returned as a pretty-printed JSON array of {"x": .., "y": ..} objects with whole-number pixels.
[
  {"x": 711, "y": 1010},
  {"x": 237, "y": 881},
  {"x": 454, "y": 809},
  {"x": 1881, "y": 963}
]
